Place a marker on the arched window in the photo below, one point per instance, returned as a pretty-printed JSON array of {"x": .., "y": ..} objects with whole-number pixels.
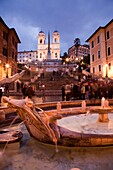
[
  {"x": 55, "y": 39},
  {"x": 41, "y": 41},
  {"x": 40, "y": 55},
  {"x": 55, "y": 55}
]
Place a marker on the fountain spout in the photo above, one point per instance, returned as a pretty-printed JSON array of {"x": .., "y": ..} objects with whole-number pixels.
[
  {"x": 103, "y": 102},
  {"x": 104, "y": 110},
  {"x": 83, "y": 104},
  {"x": 58, "y": 106}
]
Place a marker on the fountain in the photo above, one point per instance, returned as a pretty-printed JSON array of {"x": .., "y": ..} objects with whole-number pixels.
[
  {"x": 103, "y": 111},
  {"x": 51, "y": 126}
]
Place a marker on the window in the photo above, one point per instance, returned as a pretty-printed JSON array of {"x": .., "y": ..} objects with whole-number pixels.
[
  {"x": 41, "y": 41},
  {"x": 55, "y": 40},
  {"x": 55, "y": 55},
  {"x": 108, "y": 36},
  {"x": 98, "y": 39},
  {"x": 92, "y": 44},
  {"x": 98, "y": 54},
  {"x": 5, "y": 35},
  {"x": 13, "y": 53},
  {"x": 93, "y": 70},
  {"x": 4, "y": 66},
  {"x": 109, "y": 65},
  {"x": 13, "y": 40},
  {"x": 93, "y": 57},
  {"x": 15, "y": 45},
  {"x": 4, "y": 51},
  {"x": 40, "y": 55},
  {"x": 99, "y": 67},
  {"x": 108, "y": 50}
]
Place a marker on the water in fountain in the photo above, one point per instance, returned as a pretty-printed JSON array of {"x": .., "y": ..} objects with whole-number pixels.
[
  {"x": 11, "y": 129},
  {"x": 88, "y": 123}
]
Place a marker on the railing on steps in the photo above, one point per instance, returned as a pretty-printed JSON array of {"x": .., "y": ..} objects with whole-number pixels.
[{"x": 12, "y": 78}]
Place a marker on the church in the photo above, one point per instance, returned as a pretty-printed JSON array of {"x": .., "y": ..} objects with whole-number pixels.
[{"x": 46, "y": 50}]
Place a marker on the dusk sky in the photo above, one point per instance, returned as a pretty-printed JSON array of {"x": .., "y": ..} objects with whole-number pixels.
[{"x": 72, "y": 18}]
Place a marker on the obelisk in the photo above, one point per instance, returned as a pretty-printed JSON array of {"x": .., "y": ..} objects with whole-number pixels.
[{"x": 49, "y": 52}]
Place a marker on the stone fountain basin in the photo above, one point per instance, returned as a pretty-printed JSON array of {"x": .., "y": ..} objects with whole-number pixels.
[
  {"x": 7, "y": 136},
  {"x": 69, "y": 137}
]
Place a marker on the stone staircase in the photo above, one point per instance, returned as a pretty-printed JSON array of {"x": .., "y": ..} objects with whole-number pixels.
[
  {"x": 51, "y": 82},
  {"x": 55, "y": 82}
]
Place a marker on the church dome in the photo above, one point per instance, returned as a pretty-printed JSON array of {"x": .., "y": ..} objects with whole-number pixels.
[
  {"x": 41, "y": 32},
  {"x": 55, "y": 31}
]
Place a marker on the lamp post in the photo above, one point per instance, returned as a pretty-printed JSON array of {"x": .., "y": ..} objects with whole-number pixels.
[
  {"x": 43, "y": 92},
  {"x": 7, "y": 67},
  {"x": 67, "y": 60}
]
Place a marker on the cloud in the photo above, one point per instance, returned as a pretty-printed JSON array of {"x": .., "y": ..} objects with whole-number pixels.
[
  {"x": 73, "y": 19},
  {"x": 27, "y": 34}
]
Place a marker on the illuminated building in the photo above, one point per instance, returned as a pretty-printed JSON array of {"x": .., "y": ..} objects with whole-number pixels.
[
  {"x": 45, "y": 50},
  {"x": 8, "y": 50},
  {"x": 101, "y": 51}
]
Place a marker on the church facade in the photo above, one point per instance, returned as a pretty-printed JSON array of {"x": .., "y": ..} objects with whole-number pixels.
[{"x": 46, "y": 50}]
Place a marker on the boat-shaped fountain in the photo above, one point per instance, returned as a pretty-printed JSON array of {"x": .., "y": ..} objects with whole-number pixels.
[{"x": 53, "y": 126}]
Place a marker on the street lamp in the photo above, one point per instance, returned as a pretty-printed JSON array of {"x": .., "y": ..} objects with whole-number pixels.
[
  {"x": 76, "y": 44},
  {"x": 43, "y": 92},
  {"x": 7, "y": 66},
  {"x": 67, "y": 60}
]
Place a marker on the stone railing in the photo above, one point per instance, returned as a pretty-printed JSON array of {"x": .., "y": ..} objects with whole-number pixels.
[{"x": 12, "y": 78}]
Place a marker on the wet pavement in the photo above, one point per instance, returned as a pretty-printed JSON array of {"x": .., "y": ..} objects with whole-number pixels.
[{"x": 30, "y": 154}]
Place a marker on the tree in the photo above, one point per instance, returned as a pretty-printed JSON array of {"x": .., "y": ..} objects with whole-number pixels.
[
  {"x": 85, "y": 62},
  {"x": 64, "y": 57},
  {"x": 86, "y": 59},
  {"x": 77, "y": 44}
]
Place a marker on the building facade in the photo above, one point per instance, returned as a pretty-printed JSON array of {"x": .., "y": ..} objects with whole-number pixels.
[
  {"x": 101, "y": 51},
  {"x": 27, "y": 56},
  {"x": 45, "y": 50},
  {"x": 77, "y": 54},
  {"x": 8, "y": 50}
]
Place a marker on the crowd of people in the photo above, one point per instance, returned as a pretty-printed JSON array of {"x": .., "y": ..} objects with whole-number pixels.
[
  {"x": 28, "y": 91},
  {"x": 24, "y": 88},
  {"x": 87, "y": 90}
]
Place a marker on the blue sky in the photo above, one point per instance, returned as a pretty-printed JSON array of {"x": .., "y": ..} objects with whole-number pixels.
[{"x": 72, "y": 18}]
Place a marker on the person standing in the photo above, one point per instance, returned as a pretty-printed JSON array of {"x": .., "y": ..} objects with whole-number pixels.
[
  {"x": 1, "y": 94},
  {"x": 6, "y": 88},
  {"x": 30, "y": 92},
  {"x": 83, "y": 92},
  {"x": 63, "y": 93},
  {"x": 24, "y": 89}
]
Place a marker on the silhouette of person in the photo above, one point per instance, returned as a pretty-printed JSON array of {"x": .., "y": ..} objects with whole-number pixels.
[{"x": 1, "y": 94}]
